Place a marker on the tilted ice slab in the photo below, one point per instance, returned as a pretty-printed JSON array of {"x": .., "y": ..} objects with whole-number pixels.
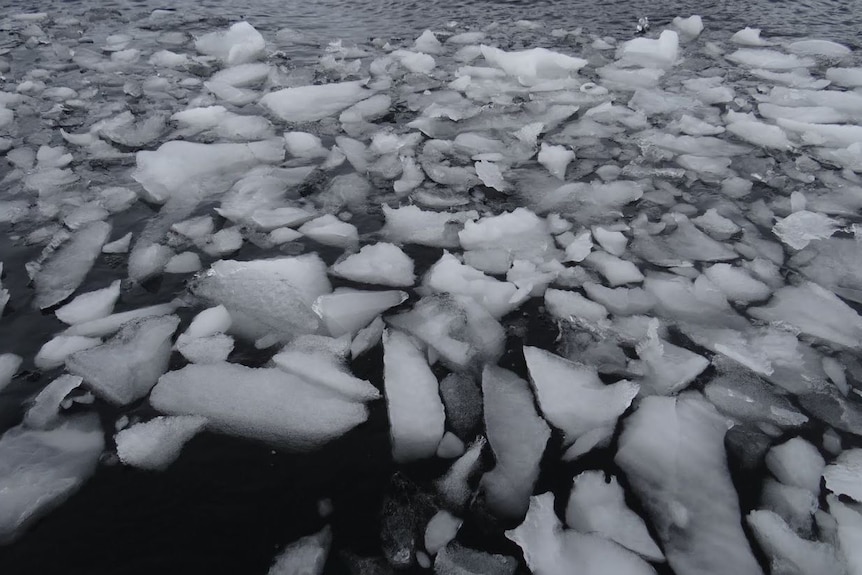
[
  {"x": 411, "y": 224},
  {"x": 598, "y": 506},
  {"x": 550, "y": 550},
  {"x": 271, "y": 297},
  {"x": 416, "y": 416},
  {"x": 307, "y": 555},
  {"x": 157, "y": 443},
  {"x": 814, "y": 311},
  {"x": 40, "y": 469},
  {"x": 126, "y": 367},
  {"x": 517, "y": 435},
  {"x": 239, "y": 44},
  {"x": 346, "y": 311},
  {"x": 790, "y": 553},
  {"x": 574, "y": 399},
  {"x": 799, "y": 228},
  {"x": 534, "y": 65},
  {"x": 672, "y": 451},
  {"x": 91, "y": 305},
  {"x": 315, "y": 102},
  {"x": 45, "y": 411},
  {"x": 183, "y": 170},
  {"x": 520, "y": 232},
  {"x": 844, "y": 475},
  {"x": 9, "y": 364},
  {"x": 60, "y": 276},
  {"x": 659, "y": 53},
  {"x": 264, "y": 404}
]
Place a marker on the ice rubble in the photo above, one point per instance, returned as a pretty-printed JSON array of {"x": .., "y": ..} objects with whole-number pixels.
[{"x": 636, "y": 207}]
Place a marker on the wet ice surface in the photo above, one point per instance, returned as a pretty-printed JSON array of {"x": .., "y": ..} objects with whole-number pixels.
[{"x": 485, "y": 298}]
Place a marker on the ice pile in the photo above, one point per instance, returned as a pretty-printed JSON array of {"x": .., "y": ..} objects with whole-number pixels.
[{"x": 637, "y": 259}]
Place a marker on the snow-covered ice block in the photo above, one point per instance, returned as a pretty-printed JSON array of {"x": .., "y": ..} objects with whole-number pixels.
[
  {"x": 107, "y": 325},
  {"x": 449, "y": 275},
  {"x": 45, "y": 411},
  {"x": 518, "y": 436},
  {"x": 322, "y": 361},
  {"x": 549, "y": 550},
  {"x": 157, "y": 443},
  {"x": 126, "y": 367},
  {"x": 574, "y": 399},
  {"x": 40, "y": 469},
  {"x": 796, "y": 462},
  {"x": 415, "y": 62},
  {"x": 672, "y": 451},
  {"x": 416, "y": 415},
  {"x": 662, "y": 52},
  {"x": 60, "y": 276},
  {"x": 769, "y": 59},
  {"x": 271, "y": 297},
  {"x": 208, "y": 322},
  {"x": 746, "y": 127},
  {"x": 814, "y": 311},
  {"x": 748, "y": 37},
  {"x": 411, "y": 224},
  {"x": 598, "y": 506},
  {"x": 460, "y": 330},
  {"x": 382, "y": 263},
  {"x": 239, "y": 44},
  {"x": 265, "y": 404},
  {"x": 571, "y": 305},
  {"x": 795, "y": 505},
  {"x": 520, "y": 232},
  {"x": 210, "y": 349},
  {"x": 736, "y": 283},
  {"x": 304, "y": 145},
  {"x": 183, "y": 169},
  {"x": 823, "y": 48},
  {"x": 691, "y": 26},
  {"x": 533, "y": 65},
  {"x": 315, "y": 102},
  {"x": 555, "y": 159},
  {"x": 54, "y": 353},
  {"x": 91, "y": 305},
  {"x": 848, "y": 77},
  {"x": 183, "y": 263},
  {"x": 305, "y": 556}
]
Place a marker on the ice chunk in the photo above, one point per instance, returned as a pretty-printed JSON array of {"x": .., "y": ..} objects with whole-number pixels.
[
  {"x": 91, "y": 305},
  {"x": 659, "y": 53},
  {"x": 322, "y": 361},
  {"x": 597, "y": 506},
  {"x": 691, "y": 26},
  {"x": 796, "y": 462},
  {"x": 574, "y": 399},
  {"x": 305, "y": 556},
  {"x": 157, "y": 443},
  {"x": 617, "y": 271},
  {"x": 518, "y": 436},
  {"x": 823, "y": 48},
  {"x": 458, "y": 560},
  {"x": 60, "y": 276},
  {"x": 45, "y": 411},
  {"x": 457, "y": 328},
  {"x": 548, "y": 550},
  {"x": 415, "y": 62},
  {"x": 848, "y": 77},
  {"x": 800, "y": 228},
  {"x": 241, "y": 43},
  {"x": 556, "y": 159},
  {"x": 242, "y": 75},
  {"x": 367, "y": 337},
  {"x": 110, "y": 324},
  {"x": 667, "y": 368},
  {"x": 672, "y": 451},
  {"x": 382, "y": 263},
  {"x": 814, "y": 311},
  {"x": 769, "y": 59},
  {"x": 347, "y": 311},
  {"x": 413, "y": 225},
  {"x": 304, "y": 145},
  {"x": 265, "y": 404},
  {"x": 749, "y": 37},
  {"x": 209, "y": 349},
  {"x": 788, "y": 552},
  {"x": 520, "y": 232},
  {"x": 183, "y": 263},
  {"x": 315, "y": 102},
  {"x": 54, "y": 353},
  {"x": 147, "y": 260},
  {"x": 427, "y": 42},
  {"x": 796, "y": 506},
  {"x": 844, "y": 475},
  {"x": 441, "y": 529},
  {"x": 267, "y": 297},
  {"x": 40, "y": 469},
  {"x": 330, "y": 231},
  {"x": 416, "y": 415},
  {"x": 9, "y": 364},
  {"x": 449, "y": 275},
  {"x": 454, "y": 487},
  {"x": 534, "y": 65},
  {"x": 758, "y": 133},
  {"x": 736, "y": 284},
  {"x": 743, "y": 396},
  {"x": 183, "y": 169},
  {"x": 491, "y": 176},
  {"x": 569, "y": 305},
  {"x": 126, "y": 367},
  {"x": 579, "y": 248}
]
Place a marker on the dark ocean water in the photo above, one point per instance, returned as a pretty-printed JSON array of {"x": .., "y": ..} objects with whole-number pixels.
[{"x": 227, "y": 505}]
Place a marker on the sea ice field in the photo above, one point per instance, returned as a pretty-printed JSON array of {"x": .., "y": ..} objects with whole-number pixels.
[{"x": 482, "y": 300}]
